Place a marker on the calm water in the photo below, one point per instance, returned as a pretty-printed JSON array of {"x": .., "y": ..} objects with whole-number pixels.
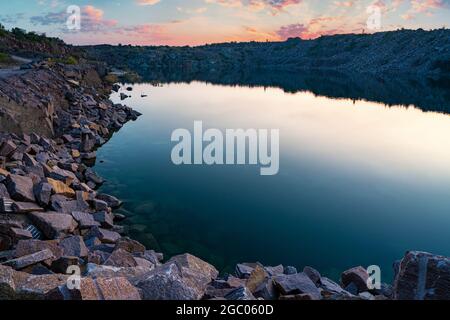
[{"x": 359, "y": 184}]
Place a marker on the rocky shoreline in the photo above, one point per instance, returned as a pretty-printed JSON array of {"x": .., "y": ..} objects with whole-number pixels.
[{"x": 52, "y": 219}]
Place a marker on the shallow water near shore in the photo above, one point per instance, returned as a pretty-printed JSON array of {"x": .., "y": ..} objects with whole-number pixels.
[{"x": 360, "y": 183}]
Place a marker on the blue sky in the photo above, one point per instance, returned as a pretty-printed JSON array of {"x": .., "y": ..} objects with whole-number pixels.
[{"x": 177, "y": 22}]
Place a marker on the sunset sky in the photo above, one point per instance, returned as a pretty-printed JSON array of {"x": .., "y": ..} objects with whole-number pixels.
[{"x": 195, "y": 22}]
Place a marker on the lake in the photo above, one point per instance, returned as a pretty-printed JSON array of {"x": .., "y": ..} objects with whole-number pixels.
[{"x": 360, "y": 182}]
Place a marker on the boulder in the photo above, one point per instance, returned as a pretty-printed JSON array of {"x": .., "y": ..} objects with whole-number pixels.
[
  {"x": 257, "y": 278},
  {"x": 53, "y": 225},
  {"x": 61, "y": 188},
  {"x": 62, "y": 264},
  {"x": 15, "y": 285},
  {"x": 272, "y": 271},
  {"x": 74, "y": 246},
  {"x": 28, "y": 260},
  {"x": 130, "y": 245},
  {"x": 331, "y": 289},
  {"x": 100, "y": 205},
  {"x": 26, "y": 247},
  {"x": 7, "y": 147},
  {"x": 240, "y": 294},
  {"x": 243, "y": 270},
  {"x": 121, "y": 258},
  {"x": 290, "y": 270},
  {"x": 100, "y": 289},
  {"x": 4, "y": 192},
  {"x": 43, "y": 192},
  {"x": 423, "y": 276},
  {"x": 103, "y": 235},
  {"x": 112, "y": 202},
  {"x": 357, "y": 276},
  {"x": 101, "y": 271},
  {"x": 313, "y": 274},
  {"x": 184, "y": 277},
  {"x": 26, "y": 207},
  {"x": 298, "y": 283},
  {"x": 20, "y": 188},
  {"x": 85, "y": 220},
  {"x": 62, "y": 175},
  {"x": 105, "y": 219},
  {"x": 11, "y": 233}
]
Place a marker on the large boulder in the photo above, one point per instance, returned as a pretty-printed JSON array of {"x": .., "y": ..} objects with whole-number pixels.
[
  {"x": 103, "y": 235},
  {"x": 26, "y": 247},
  {"x": 99, "y": 289},
  {"x": 20, "y": 188},
  {"x": 121, "y": 258},
  {"x": 112, "y": 201},
  {"x": 15, "y": 285},
  {"x": 356, "y": 277},
  {"x": 53, "y": 225},
  {"x": 298, "y": 283},
  {"x": 184, "y": 277},
  {"x": 423, "y": 276},
  {"x": 74, "y": 247},
  {"x": 29, "y": 260}
]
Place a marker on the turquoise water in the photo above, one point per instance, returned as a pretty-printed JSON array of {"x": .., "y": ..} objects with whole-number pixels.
[{"x": 360, "y": 183}]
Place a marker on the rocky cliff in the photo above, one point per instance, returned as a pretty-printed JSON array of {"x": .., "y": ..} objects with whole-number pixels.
[{"x": 415, "y": 52}]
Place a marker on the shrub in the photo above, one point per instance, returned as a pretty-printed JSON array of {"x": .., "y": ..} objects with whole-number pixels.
[
  {"x": 5, "y": 58},
  {"x": 111, "y": 78},
  {"x": 71, "y": 60}
]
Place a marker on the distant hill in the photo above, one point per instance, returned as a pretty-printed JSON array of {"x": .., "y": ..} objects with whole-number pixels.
[{"x": 405, "y": 51}]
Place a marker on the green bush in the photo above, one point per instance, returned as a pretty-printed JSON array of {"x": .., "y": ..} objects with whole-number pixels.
[
  {"x": 71, "y": 60},
  {"x": 5, "y": 58}
]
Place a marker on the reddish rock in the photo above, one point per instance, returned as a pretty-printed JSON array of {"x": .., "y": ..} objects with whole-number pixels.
[{"x": 53, "y": 225}]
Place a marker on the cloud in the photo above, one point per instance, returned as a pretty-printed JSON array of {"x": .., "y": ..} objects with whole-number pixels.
[
  {"x": 256, "y": 5},
  {"x": 147, "y": 2},
  {"x": 92, "y": 20},
  {"x": 426, "y": 7}
]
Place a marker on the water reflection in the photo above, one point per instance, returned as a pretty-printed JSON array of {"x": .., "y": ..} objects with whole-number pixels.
[
  {"x": 425, "y": 93},
  {"x": 359, "y": 184}
]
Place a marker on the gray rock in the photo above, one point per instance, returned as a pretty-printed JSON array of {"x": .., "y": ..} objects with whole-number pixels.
[
  {"x": 105, "y": 219},
  {"x": 358, "y": 276},
  {"x": 43, "y": 192},
  {"x": 313, "y": 274},
  {"x": 290, "y": 270},
  {"x": 182, "y": 278},
  {"x": 26, "y": 207},
  {"x": 423, "y": 276},
  {"x": 296, "y": 284},
  {"x": 26, "y": 261},
  {"x": 62, "y": 264},
  {"x": 131, "y": 246},
  {"x": 112, "y": 202},
  {"x": 277, "y": 270},
  {"x": 243, "y": 270},
  {"x": 100, "y": 205},
  {"x": 121, "y": 258},
  {"x": 7, "y": 147},
  {"x": 240, "y": 294},
  {"x": 85, "y": 220},
  {"x": 74, "y": 246},
  {"x": 331, "y": 288},
  {"x": 103, "y": 235},
  {"x": 53, "y": 225},
  {"x": 16, "y": 285},
  {"x": 27, "y": 247},
  {"x": 20, "y": 188}
]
